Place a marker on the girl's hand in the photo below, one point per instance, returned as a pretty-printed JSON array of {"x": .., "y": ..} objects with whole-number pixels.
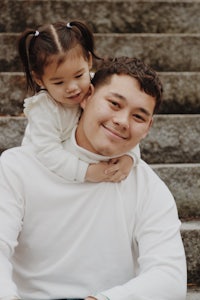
[
  {"x": 97, "y": 172},
  {"x": 115, "y": 170},
  {"x": 119, "y": 168}
]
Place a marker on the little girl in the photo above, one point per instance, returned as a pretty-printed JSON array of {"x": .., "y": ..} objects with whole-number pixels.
[{"x": 57, "y": 59}]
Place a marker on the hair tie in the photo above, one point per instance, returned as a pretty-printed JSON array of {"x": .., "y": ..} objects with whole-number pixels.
[
  {"x": 36, "y": 33},
  {"x": 69, "y": 25}
]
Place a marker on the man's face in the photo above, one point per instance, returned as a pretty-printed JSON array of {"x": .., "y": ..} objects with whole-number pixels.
[{"x": 115, "y": 118}]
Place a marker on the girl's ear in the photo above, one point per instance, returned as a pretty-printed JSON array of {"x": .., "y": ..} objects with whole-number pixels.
[
  {"x": 87, "y": 97},
  {"x": 37, "y": 79}
]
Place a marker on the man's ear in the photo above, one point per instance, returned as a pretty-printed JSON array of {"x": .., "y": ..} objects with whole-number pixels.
[
  {"x": 87, "y": 97},
  {"x": 151, "y": 123},
  {"x": 37, "y": 79},
  {"x": 148, "y": 128}
]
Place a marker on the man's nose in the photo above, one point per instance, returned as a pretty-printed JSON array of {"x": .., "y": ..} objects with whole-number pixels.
[{"x": 122, "y": 119}]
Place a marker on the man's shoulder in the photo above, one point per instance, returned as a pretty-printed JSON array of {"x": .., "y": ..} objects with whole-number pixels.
[
  {"x": 16, "y": 154},
  {"x": 146, "y": 177},
  {"x": 149, "y": 180},
  {"x": 146, "y": 169}
]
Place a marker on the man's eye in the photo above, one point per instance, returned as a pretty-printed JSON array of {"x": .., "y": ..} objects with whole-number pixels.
[
  {"x": 114, "y": 103},
  {"x": 139, "y": 117}
]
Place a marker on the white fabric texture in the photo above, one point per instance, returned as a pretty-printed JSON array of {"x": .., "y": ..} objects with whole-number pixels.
[{"x": 60, "y": 239}]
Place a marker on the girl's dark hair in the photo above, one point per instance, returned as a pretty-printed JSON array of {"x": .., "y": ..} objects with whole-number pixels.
[
  {"x": 36, "y": 47},
  {"x": 134, "y": 67}
]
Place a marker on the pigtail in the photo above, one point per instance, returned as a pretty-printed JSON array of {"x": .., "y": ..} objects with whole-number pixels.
[
  {"x": 87, "y": 36},
  {"x": 24, "y": 43}
]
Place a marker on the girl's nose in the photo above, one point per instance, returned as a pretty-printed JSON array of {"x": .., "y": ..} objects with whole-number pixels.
[{"x": 71, "y": 88}]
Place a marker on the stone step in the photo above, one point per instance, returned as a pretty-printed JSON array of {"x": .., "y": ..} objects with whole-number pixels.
[
  {"x": 190, "y": 232},
  {"x": 183, "y": 181},
  {"x": 172, "y": 138},
  {"x": 180, "y": 96},
  {"x": 193, "y": 294},
  {"x": 105, "y": 16},
  {"x": 12, "y": 93},
  {"x": 164, "y": 52}
]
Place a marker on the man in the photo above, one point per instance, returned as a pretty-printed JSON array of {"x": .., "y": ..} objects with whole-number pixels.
[{"x": 117, "y": 241}]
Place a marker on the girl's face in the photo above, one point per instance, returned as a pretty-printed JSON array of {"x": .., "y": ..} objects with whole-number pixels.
[{"x": 68, "y": 82}]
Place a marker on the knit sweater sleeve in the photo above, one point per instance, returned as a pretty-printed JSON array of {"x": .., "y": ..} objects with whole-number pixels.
[{"x": 49, "y": 124}]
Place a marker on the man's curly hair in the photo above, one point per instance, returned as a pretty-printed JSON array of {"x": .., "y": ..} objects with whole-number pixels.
[{"x": 134, "y": 67}]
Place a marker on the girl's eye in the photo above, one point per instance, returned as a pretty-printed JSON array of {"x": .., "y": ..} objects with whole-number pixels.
[
  {"x": 80, "y": 75},
  {"x": 58, "y": 83}
]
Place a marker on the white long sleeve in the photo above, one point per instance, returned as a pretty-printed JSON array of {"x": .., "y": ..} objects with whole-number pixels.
[{"x": 49, "y": 124}]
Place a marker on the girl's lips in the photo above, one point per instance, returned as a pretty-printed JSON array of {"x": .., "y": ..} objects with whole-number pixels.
[{"x": 75, "y": 98}]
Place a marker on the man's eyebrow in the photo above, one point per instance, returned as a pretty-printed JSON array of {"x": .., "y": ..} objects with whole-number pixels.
[
  {"x": 117, "y": 95},
  {"x": 146, "y": 112},
  {"x": 121, "y": 97}
]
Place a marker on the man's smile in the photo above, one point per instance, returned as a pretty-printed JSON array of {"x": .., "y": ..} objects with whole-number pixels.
[{"x": 117, "y": 134}]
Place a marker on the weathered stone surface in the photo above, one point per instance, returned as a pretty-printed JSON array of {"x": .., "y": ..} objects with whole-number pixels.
[
  {"x": 173, "y": 139},
  {"x": 193, "y": 294},
  {"x": 9, "y": 59},
  {"x": 191, "y": 238},
  {"x": 184, "y": 182},
  {"x": 12, "y": 93},
  {"x": 105, "y": 16},
  {"x": 11, "y": 132},
  {"x": 164, "y": 52},
  {"x": 181, "y": 93}
]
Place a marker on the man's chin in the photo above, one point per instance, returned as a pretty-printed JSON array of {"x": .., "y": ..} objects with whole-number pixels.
[{"x": 108, "y": 152}]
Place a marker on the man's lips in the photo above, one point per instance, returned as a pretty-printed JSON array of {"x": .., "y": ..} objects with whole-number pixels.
[{"x": 115, "y": 133}]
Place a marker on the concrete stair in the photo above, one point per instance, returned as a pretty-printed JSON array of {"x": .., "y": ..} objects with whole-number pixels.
[{"x": 166, "y": 35}]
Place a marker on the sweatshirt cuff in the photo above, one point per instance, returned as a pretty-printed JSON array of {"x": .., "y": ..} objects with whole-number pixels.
[{"x": 81, "y": 171}]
